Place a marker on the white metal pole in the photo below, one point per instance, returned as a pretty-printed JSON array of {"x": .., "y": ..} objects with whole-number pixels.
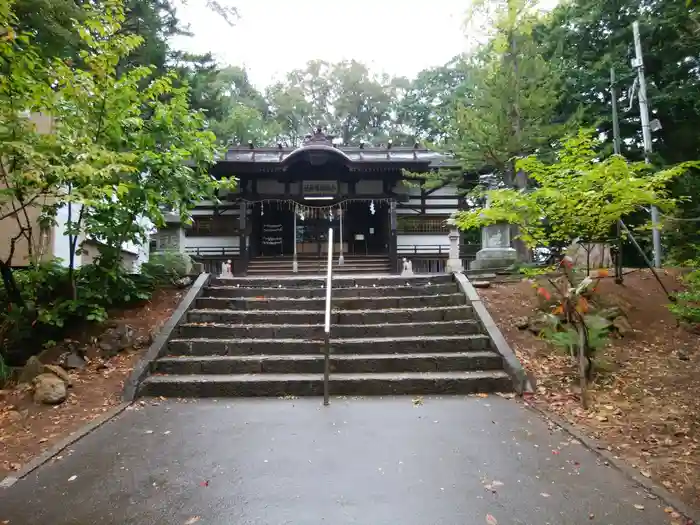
[
  {"x": 341, "y": 259},
  {"x": 295, "y": 265},
  {"x": 646, "y": 135}
]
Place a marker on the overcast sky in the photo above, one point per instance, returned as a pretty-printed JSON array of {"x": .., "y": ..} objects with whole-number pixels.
[{"x": 399, "y": 37}]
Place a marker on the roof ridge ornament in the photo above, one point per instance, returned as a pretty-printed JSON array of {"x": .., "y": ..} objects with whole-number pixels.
[{"x": 318, "y": 137}]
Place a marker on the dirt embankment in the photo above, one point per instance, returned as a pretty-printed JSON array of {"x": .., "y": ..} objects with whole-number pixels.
[{"x": 645, "y": 401}]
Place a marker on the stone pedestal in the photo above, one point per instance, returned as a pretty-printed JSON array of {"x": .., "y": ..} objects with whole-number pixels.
[
  {"x": 496, "y": 251},
  {"x": 454, "y": 262}
]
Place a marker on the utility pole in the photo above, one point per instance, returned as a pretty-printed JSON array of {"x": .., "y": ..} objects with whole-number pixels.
[
  {"x": 638, "y": 64},
  {"x": 616, "y": 148}
]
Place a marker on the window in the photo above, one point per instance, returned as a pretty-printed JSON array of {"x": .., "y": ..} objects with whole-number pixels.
[
  {"x": 213, "y": 226},
  {"x": 422, "y": 224}
]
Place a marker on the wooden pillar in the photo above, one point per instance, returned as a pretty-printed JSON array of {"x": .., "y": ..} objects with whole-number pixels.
[
  {"x": 393, "y": 255},
  {"x": 242, "y": 268}
]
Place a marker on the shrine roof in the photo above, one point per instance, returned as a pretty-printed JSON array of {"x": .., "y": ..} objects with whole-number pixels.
[{"x": 353, "y": 156}]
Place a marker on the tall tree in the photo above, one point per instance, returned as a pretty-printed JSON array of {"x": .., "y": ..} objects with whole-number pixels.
[
  {"x": 510, "y": 108},
  {"x": 427, "y": 110},
  {"x": 584, "y": 38}
]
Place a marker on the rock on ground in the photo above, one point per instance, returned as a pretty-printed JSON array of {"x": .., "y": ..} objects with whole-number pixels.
[
  {"x": 49, "y": 389},
  {"x": 31, "y": 369}
]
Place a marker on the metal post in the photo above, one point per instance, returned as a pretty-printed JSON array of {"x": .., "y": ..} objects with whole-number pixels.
[
  {"x": 295, "y": 265},
  {"x": 393, "y": 248},
  {"x": 327, "y": 326},
  {"x": 341, "y": 259},
  {"x": 616, "y": 147},
  {"x": 243, "y": 251},
  {"x": 638, "y": 64}
]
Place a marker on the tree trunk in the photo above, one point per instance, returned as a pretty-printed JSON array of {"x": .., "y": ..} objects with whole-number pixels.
[{"x": 8, "y": 279}]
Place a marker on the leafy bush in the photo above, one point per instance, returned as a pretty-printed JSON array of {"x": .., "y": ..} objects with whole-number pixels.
[
  {"x": 166, "y": 267},
  {"x": 687, "y": 307},
  {"x": 50, "y": 307}
]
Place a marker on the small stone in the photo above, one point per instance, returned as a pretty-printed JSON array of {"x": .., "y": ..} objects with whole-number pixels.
[
  {"x": 682, "y": 355},
  {"x": 183, "y": 282},
  {"x": 59, "y": 372},
  {"x": 622, "y": 325},
  {"x": 31, "y": 369},
  {"x": 73, "y": 361},
  {"x": 15, "y": 415},
  {"x": 611, "y": 313},
  {"x": 49, "y": 389},
  {"x": 521, "y": 323}
]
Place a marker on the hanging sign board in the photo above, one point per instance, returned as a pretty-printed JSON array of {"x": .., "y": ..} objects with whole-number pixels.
[{"x": 319, "y": 188}]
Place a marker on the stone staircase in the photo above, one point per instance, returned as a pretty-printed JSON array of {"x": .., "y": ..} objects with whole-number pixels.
[
  {"x": 390, "y": 335},
  {"x": 313, "y": 265}
]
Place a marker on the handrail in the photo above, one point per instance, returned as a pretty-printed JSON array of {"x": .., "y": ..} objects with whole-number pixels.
[{"x": 327, "y": 327}]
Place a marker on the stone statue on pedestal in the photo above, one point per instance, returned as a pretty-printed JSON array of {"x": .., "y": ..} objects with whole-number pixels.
[
  {"x": 407, "y": 268},
  {"x": 226, "y": 270}
]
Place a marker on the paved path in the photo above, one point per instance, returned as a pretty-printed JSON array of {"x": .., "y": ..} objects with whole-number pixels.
[{"x": 360, "y": 461}]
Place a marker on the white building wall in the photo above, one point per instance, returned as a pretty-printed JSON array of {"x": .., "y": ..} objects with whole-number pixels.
[
  {"x": 426, "y": 243},
  {"x": 210, "y": 242},
  {"x": 61, "y": 244}
]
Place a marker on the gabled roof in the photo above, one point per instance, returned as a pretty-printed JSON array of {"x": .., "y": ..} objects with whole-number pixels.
[{"x": 320, "y": 147}]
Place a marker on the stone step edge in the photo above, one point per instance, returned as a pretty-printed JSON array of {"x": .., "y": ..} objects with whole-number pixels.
[
  {"x": 477, "y": 354},
  {"x": 321, "y": 312},
  {"x": 387, "y": 376},
  {"x": 382, "y": 298},
  {"x": 334, "y": 341},
  {"x": 420, "y": 286},
  {"x": 318, "y": 325}
]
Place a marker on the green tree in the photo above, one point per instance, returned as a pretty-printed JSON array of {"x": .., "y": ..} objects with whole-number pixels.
[
  {"x": 583, "y": 39},
  {"x": 578, "y": 196},
  {"x": 427, "y": 111},
  {"x": 27, "y": 182},
  {"x": 124, "y": 147},
  {"x": 510, "y": 108}
]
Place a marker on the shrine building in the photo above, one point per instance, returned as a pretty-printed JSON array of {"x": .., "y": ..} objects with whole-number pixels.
[{"x": 278, "y": 218}]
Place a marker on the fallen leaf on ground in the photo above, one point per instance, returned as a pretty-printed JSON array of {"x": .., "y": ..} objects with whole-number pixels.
[
  {"x": 646, "y": 473},
  {"x": 417, "y": 401}
]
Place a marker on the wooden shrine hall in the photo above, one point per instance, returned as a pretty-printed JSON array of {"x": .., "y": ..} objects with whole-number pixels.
[{"x": 277, "y": 219}]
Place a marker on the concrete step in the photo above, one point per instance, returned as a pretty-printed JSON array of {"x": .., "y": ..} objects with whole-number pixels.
[
  {"x": 350, "y": 270},
  {"x": 423, "y": 383},
  {"x": 303, "y": 293},
  {"x": 316, "y": 331},
  {"x": 390, "y": 345},
  {"x": 340, "y": 363},
  {"x": 339, "y": 303},
  {"x": 300, "y": 317},
  {"x": 338, "y": 281},
  {"x": 302, "y": 263}
]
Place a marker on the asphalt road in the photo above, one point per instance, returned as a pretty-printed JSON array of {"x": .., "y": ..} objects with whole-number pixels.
[{"x": 371, "y": 461}]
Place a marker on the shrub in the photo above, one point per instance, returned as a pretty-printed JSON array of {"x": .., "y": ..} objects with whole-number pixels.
[
  {"x": 687, "y": 306},
  {"x": 50, "y": 308},
  {"x": 166, "y": 267}
]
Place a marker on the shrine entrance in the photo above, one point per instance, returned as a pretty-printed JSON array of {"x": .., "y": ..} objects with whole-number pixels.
[{"x": 359, "y": 228}]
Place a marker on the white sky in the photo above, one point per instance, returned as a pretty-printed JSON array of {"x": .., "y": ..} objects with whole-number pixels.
[{"x": 399, "y": 37}]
